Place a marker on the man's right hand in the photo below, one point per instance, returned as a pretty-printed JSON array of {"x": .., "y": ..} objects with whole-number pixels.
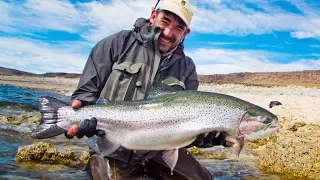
[
  {"x": 211, "y": 140},
  {"x": 86, "y": 128},
  {"x": 74, "y": 128}
]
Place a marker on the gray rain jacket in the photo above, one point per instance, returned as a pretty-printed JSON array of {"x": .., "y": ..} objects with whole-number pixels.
[{"x": 124, "y": 66}]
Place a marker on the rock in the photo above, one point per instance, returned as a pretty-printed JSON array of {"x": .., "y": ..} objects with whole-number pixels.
[
  {"x": 208, "y": 154},
  {"x": 261, "y": 142},
  {"x": 24, "y": 118},
  {"x": 295, "y": 125},
  {"x": 45, "y": 152},
  {"x": 196, "y": 151},
  {"x": 84, "y": 158},
  {"x": 295, "y": 153}
]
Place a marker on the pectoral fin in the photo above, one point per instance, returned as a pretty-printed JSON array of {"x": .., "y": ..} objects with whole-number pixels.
[
  {"x": 171, "y": 158},
  {"x": 101, "y": 145},
  {"x": 92, "y": 142},
  {"x": 238, "y": 145}
]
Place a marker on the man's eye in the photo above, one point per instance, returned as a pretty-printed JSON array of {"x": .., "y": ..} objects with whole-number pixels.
[
  {"x": 165, "y": 22},
  {"x": 179, "y": 29}
]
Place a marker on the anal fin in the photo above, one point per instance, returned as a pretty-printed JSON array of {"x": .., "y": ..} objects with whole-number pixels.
[{"x": 171, "y": 158}]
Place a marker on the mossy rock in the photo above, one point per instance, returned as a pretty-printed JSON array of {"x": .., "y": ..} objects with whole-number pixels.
[
  {"x": 24, "y": 118},
  {"x": 207, "y": 154},
  {"x": 196, "y": 151},
  {"x": 45, "y": 152},
  {"x": 84, "y": 158},
  {"x": 261, "y": 142},
  {"x": 295, "y": 153}
]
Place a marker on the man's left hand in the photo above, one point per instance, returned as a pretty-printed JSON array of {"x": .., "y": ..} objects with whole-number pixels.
[{"x": 87, "y": 128}]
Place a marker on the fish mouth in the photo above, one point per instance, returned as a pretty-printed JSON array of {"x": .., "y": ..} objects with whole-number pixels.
[
  {"x": 44, "y": 131},
  {"x": 258, "y": 125},
  {"x": 253, "y": 130}
]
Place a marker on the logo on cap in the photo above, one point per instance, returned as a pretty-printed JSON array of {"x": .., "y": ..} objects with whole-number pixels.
[{"x": 183, "y": 2}]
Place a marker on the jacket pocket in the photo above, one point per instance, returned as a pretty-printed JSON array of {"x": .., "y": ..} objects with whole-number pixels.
[{"x": 120, "y": 85}]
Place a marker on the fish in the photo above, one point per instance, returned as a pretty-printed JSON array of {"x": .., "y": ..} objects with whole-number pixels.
[{"x": 167, "y": 120}]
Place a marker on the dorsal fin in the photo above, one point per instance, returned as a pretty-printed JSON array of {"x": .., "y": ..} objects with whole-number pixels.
[{"x": 161, "y": 89}]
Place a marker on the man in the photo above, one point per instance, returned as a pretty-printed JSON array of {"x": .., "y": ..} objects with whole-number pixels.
[{"x": 124, "y": 66}]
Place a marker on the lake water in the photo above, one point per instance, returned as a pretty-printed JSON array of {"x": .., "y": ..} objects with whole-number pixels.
[{"x": 16, "y": 101}]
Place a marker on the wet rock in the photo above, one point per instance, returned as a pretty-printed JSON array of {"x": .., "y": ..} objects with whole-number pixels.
[
  {"x": 196, "y": 151},
  {"x": 261, "y": 142},
  {"x": 295, "y": 152},
  {"x": 24, "y": 118},
  {"x": 208, "y": 154},
  {"x": 84, "y": 158},
  {"x": 45, "y": 152}
]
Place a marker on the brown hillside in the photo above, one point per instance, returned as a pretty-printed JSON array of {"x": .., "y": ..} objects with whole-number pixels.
[
  {"x": 14, "y": 72},
  {"x": 310, "y": 78},
  {"x": 297, "y": 78},
  {"x": 11, "y": 72}
]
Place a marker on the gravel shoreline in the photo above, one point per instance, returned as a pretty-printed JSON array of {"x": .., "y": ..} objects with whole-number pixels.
[{"x": 54, "y": 84}]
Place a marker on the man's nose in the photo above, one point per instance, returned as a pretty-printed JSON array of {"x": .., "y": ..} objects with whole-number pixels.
[{"x": 167, "y": 32}]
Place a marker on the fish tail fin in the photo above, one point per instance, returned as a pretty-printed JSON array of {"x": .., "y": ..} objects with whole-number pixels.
[
  {"x": 48, "y": 107},
  {"x": 50, "y": 104}
]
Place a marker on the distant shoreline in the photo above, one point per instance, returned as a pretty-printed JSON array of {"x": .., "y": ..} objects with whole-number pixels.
[
  {"x": 60, "y": 81},
  {"x": 53, "y": 84},
  {"x": 67, "y": 85}
]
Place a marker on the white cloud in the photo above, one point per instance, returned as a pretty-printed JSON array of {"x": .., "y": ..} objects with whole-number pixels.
[
  {"x": 112, "y": 17},
  {"x": 39, "y": 56},
  {"x": 240, "y": 20},
  {"x": 220, "y": 61},
  {"x": 95, "y": 20},
  {"x": 42, "y": 15},
  {"x": 306, "y": 34}
]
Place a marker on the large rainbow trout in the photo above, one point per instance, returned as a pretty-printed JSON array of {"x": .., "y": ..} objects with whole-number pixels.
[{"x": 166, "y": 121}]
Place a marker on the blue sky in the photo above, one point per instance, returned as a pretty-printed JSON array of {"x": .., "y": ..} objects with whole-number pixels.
[{"x": 227, "y": 36}]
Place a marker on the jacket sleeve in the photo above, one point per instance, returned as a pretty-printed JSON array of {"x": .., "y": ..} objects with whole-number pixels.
[
  {"x": 191, "y": 81},
  {"x": 96, "y": 71}
]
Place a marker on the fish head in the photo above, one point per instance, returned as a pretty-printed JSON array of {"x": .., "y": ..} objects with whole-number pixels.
[
  {"x": 261, "y": 115},
  {"x": 258, "y": 123}
]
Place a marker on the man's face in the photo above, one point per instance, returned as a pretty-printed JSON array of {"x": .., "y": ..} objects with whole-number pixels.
[{"x": 172, "y": 30}]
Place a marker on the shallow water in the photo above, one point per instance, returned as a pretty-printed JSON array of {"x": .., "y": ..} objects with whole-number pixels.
[
  {"x": 14, "y": 101},
  {"x": 11, "y": 140},
  {"x": 17, "y": 100}
]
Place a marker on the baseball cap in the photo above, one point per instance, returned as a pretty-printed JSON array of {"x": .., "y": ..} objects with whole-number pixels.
[{"x": 181, "y": 8}]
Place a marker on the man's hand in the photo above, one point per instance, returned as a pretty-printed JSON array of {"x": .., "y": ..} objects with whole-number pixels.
[
  {"x": 74, "y": 128},
  {"x": 86, "y": 128},
  {"x": 76, "y": 104},
  {"x": 211, "y": 140}
]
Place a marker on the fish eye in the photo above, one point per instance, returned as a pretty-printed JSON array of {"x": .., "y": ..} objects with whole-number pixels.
[{"x": 267, "y": 121}]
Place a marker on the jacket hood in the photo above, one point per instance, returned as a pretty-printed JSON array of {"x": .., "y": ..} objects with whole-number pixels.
[
  {"x": 143, "y": 32},
  {"x": 146, "y": 34}
]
